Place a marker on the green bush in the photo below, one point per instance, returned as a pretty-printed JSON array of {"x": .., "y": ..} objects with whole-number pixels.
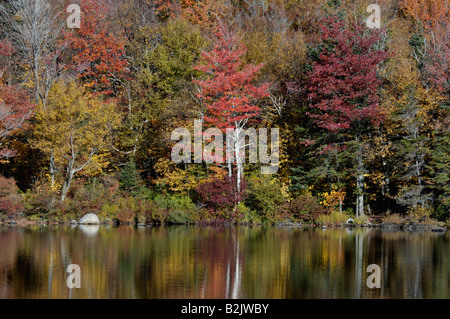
[
  {"x": 442, "y": 213},
  {"x": 268, "y": 197},
  {"x": 174, "y": 202},
  {"x": 178, "y": 217},
  {"x": 249, "y": 216},
  {"x": 109, "y": 210}
]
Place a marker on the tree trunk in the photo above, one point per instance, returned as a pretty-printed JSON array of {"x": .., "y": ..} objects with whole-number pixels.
[
  {"x": 385, "y": 189},
  {"x": 68, "y": 178},
  {"x": 239, "y": 163},
  {"x": 66, "y": 186},
  {"x": 360, "y": 195},
  {"x": 36, "y": 74},
  {"x": 52, "y": 177},
  {"x": 359, "y": 180},
  {"x": 419, "y": 178},
  {"x": 52, "y": 170}
]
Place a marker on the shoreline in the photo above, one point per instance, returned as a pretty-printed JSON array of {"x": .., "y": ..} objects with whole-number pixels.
[{"x": 405, "y": 225}]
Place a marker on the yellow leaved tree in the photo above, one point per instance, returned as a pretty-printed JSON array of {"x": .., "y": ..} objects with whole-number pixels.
[{"x": 74, "y": 130}]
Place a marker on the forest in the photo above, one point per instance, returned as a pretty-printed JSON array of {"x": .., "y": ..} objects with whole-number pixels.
[{"x": 89, "y": 99}]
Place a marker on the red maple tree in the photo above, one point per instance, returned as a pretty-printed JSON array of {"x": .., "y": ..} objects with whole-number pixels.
[
  {"x": 343, "y": 86},
  {"x": 343, "y": 83},
  {"x": 15, "y": 108},
  {"x": 15, "y": 105},
  {"x": 95, "y": 55},
  {"x": 437, "y": 65},
  {"x": 228, "y": 93},
  {"x": 6, "y": 50}
]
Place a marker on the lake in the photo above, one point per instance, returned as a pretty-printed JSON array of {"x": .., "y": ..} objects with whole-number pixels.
[{"x": 231, "y": 262}]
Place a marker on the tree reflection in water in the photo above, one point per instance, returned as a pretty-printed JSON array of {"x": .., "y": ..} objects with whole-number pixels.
[{"x": 235, "y": 262}]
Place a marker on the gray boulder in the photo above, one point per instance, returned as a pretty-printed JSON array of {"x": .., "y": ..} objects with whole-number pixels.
[
  {"x": 350, "y": 221},
  {"x": 91, "y": 219}
]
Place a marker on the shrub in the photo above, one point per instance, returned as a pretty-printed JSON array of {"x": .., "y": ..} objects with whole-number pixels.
[
  {"x": 221, "y": 194},
  {"x": 125, "y": 216},
  {"x": 393, "y": 218},
  {"x": 156, "y": 214},
  {"x": 88, "y": 198},
  {"x": 268, "y": 197},
  {"x": 172, "y": 209},
  {"x": 248, "y": 215},
  {"x": 361, "y": 220},
  {"x": 306, "y": 207},
  {"x": 419, "y": 213},
  {"x": 39, "y": 199},
  {"x": 82, "y": 199},
  {"x": 85, "y": 198},
  {"x": 178, "y": 217},
  {"x": 442, "y": 213},
  {"x": 11, "y": 202},
  {"x": 135, "y": 209},
  {"x": 174, "y": 202},
  {"x": 109, "y": 210},
  {"x": 332, "y": 219}
]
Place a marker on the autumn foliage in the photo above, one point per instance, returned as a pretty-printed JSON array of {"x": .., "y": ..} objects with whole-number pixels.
[
  {"x": 362, "y": 113},
  {"x": 15, "y": 109},
  {"x": 11, "y": 201},
  {"x": 198, "y": 12},
  {"x": 221, "y": 195},
  {"x": 228, "y": 93},
  {"x": 95, "y": 55},
  {"x": 343, "y": 83},
  {"x": 430, "y": 12}
]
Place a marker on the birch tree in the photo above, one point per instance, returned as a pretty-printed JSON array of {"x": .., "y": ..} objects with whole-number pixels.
[
  {"x": 33, "y": 27},
  {"x": 75, "y": 128}
]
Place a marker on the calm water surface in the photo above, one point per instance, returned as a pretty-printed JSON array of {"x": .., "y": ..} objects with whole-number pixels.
[{"x": 195, "y": 262}]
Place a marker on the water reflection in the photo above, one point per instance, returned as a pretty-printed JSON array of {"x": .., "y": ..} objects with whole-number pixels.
[
  {"x": 89, "y": 229},
  {"x": 194, "y": 262}
]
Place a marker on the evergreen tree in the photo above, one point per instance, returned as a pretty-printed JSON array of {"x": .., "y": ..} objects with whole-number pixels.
[{"x": 129, "y": 177}]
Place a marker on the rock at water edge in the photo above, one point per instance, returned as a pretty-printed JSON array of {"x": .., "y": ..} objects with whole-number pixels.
[{"x": 90, "y": 219}]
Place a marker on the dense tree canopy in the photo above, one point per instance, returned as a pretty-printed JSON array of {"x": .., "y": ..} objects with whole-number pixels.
[{"x": 363, "y": 113}]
